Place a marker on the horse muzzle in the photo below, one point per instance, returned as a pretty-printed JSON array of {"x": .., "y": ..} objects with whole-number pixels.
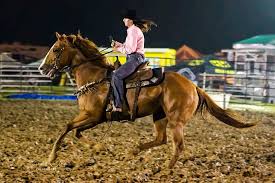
[{"x": 48, "y": 70}]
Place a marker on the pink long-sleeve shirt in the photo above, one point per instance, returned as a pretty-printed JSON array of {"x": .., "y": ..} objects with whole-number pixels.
[{"x": 134, "y": 41}]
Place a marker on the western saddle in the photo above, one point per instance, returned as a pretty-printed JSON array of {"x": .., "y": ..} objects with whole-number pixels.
[{"x": 142, "y": 77}]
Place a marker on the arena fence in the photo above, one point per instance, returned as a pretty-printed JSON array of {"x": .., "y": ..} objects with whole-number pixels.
[
  {"x": 21, "y": 78},
  {"x": 241, "y": 87}
]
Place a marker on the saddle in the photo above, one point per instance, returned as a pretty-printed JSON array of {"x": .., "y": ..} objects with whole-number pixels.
[
  {"x": 142, "y": 73},
  {"x": 145, "y": 76},
  {"x": 142, "y": 77}
]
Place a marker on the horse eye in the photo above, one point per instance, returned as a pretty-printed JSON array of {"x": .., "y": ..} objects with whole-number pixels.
[{"x": 55, "y": 49}]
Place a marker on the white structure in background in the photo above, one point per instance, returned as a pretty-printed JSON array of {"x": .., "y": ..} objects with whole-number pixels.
[
  {"x": 254, "y": 58},
  {"x": 6, "y": 60},
  {"x": 16, "y": 77}
]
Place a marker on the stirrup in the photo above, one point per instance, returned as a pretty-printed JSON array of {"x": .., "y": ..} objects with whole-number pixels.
[{"x": 109, "y": 108}]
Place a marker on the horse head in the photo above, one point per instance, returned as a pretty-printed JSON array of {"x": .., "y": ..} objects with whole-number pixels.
[
  {"x": 58, "y": 57},
  {"x": 64, "y": 50}
]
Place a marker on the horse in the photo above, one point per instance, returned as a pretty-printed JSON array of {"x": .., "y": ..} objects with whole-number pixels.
[{"x": 172, "y": 102}]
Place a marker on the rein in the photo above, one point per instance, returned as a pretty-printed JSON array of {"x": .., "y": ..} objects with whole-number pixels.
[
  {"x": 88, "y": 60},
  {"x": 68, "y": 68}
]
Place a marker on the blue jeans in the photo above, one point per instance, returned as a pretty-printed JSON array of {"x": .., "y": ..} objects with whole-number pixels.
[{"x": 132, "y": 62}]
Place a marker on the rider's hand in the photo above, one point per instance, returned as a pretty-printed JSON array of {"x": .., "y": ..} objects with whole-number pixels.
[
  {"x": 117, "y": 44},
  {"x": 114, "y": 48}
]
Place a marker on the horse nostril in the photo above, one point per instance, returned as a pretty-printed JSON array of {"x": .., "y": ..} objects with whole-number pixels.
[{"x": 40, "y": 68}]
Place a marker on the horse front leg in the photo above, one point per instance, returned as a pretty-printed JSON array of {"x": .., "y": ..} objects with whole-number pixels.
[
  {"x": 77, "y": 134},
  {"x": 83, "y": 115},
  {"x": 70, "y": 126}
]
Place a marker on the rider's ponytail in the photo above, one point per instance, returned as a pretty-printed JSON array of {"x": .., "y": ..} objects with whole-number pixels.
[{"x": 144, "y": 25}]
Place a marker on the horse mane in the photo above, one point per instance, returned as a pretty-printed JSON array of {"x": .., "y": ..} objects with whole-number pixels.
[{"x": 90, "y": 50}]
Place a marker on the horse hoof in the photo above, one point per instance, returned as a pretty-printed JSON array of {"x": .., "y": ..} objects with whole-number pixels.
[
  {"x": 51, "y": 158},
  {"x": 44, "y": 164},
  {"x": 88, "y": 144}
]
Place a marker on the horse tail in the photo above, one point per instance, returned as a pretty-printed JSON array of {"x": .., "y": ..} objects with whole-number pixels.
[{"x": 227, "y": 117}]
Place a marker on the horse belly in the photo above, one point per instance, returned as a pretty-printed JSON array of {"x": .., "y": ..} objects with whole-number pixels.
[{"x": 148, "y": 100}]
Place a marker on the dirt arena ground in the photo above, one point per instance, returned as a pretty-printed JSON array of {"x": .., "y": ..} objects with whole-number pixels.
[{"x": 214, "y": 152}]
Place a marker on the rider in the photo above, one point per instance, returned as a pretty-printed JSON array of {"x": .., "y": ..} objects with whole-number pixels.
[{"x": 133, "y": 47}]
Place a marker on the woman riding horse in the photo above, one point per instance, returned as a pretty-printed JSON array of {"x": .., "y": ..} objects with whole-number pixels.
[
  {"x": 134, "y": 48},
  {"x": 174, "y": 101}
]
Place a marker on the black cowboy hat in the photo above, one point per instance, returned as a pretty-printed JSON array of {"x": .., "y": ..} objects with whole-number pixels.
[{"x": 130, "y": 13}]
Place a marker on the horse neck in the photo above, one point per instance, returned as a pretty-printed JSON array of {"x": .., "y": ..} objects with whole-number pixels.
[{"x": 87, "y": 72}]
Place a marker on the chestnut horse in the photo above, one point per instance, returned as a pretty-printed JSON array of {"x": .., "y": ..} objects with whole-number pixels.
[{"x": 174, "y": 101}]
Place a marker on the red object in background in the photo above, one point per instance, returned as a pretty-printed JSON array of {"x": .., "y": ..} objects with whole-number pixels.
[{"x": 187, "y": 53}]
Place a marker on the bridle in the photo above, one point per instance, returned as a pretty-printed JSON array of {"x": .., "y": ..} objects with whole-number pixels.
[
  {"x": 71, "y": 67},
  {"x": 57, "y": 60},
  {"x": 88, "y": 60}
]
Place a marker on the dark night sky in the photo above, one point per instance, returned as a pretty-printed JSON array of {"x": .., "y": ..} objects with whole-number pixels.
[{"x": 206, "y": 25}]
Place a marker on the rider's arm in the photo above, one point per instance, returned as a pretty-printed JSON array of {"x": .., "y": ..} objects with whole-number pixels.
[{"x": 130, "y": 44}]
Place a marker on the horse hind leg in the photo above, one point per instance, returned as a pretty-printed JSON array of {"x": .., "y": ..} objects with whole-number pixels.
[
  {"x": 177, "y": 132},
  {"x": 161, "y": 137}
]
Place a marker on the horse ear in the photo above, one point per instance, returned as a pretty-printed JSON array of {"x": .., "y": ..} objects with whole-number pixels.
[
  {"x": 78, "y": 33},
  {"x": 57, "y": 35}
]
